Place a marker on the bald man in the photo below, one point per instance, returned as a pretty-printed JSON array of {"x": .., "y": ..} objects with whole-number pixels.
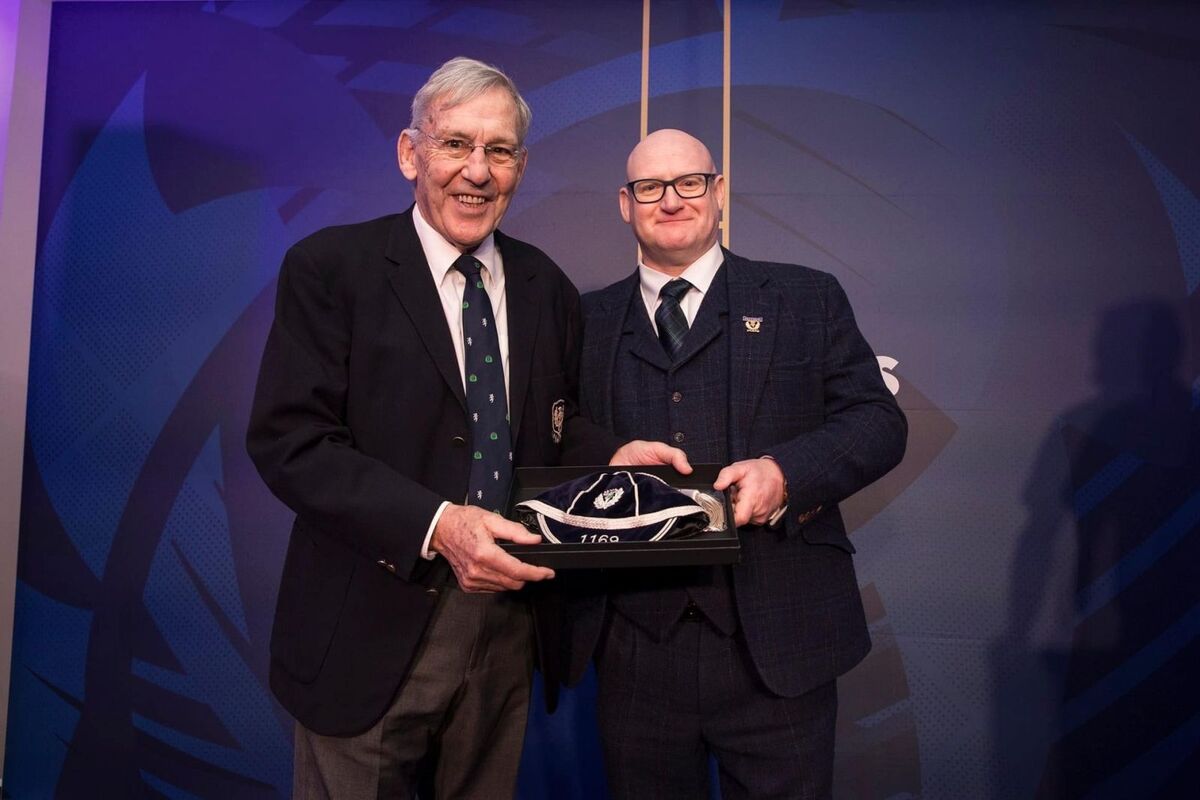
[{"x": 760, "y": 367}]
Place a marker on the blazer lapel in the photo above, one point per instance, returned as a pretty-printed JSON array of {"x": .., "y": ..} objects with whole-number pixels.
[
  {"x": 753, "y": 321},
  {"x": 643, "y": 342},
  {"x": 523, "y": 316},
  {"x": 414, "y": 287}
]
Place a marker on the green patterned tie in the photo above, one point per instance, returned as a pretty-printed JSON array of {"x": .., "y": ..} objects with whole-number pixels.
[{"x": 491, "y": 443}]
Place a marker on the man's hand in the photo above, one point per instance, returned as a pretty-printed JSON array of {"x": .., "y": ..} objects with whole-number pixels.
[
  {"x": 639, "y": 453},
  {"x": 758, "y": 489},
  {"x": 465, "y": 536}
]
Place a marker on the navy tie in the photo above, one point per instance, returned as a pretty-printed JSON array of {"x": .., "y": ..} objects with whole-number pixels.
[
  {"x": 491, "y": 443},
  {"x": 671, "y": 321}
]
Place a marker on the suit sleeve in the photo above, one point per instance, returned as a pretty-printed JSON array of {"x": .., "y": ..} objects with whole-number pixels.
[
  {"x": 864, "y": 432},
  {"x": 298, "y": 437}
]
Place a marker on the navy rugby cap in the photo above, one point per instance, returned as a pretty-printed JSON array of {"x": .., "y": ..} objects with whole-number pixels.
[{"x": 618, "y": 506}]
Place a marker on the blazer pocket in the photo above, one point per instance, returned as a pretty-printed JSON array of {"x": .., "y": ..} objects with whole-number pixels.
[
  {"x": 790, "y": 367},
  {"x": 312, "y": 592},
  {"x": 823, "y": 531},
  {"x": 793, "y": 374}
]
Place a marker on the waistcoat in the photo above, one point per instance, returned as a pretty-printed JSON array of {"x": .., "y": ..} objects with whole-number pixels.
[{"x": 684, "y": 403}]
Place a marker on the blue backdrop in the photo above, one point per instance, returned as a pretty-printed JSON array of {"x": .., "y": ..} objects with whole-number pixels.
[{"x": 1007, "y": 192}]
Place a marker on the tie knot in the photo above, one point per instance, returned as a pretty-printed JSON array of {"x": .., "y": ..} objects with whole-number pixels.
[
  {"x": 675, "y": 289},
  {"x": 467, "y": 265}
]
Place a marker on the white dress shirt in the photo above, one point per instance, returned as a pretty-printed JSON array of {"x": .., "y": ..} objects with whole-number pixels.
[
  {"x": 699, "y": 274},
  {"x": 451, "y": 285}
]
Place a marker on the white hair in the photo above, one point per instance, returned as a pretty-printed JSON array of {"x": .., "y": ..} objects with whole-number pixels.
[{"x": 460, "y": 80}]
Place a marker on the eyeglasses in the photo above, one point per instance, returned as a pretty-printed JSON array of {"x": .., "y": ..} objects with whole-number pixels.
[
  {"x": 688, "y": 187},
  {"x": 498, "y": 155}
]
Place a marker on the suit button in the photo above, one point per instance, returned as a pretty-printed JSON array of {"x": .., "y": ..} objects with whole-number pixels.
[
  {"x": 679, "y": 437},
  {"x": 458, "y": 441},
  {"x": 389, "y": 567},
  {"x": 431, "y": 591},
  {"x": 676, "y": 397}
]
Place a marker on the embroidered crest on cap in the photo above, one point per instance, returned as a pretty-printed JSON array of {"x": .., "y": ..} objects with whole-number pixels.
[{"x": 608, "y": 498}]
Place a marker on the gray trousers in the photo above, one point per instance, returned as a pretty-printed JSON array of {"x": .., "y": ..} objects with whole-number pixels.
[{"x": 456, "y": 726}]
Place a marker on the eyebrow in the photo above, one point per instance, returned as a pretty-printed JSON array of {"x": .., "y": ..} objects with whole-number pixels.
[
  {"x": 466, "y": 137},
  {"x": 677, "y": 177}
]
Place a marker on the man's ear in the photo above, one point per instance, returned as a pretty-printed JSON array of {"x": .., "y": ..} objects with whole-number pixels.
[
  {"x": 719, "y": 189},
  {"x": 625, "y": 201},
  {"x": 406, "y": 155}
]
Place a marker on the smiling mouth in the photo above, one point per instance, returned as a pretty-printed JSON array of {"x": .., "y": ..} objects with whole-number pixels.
[{"x": 470, "y": 200}]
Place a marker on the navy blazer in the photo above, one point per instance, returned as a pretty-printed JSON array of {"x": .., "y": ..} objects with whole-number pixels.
[
  {"x": 805, "y": 388},
  {"x": 359, "y": 425}
]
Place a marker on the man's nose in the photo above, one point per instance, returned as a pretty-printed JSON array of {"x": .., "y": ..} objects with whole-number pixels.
[
  {"x": 671, "y": 201},
  {"x": 477, "y": 169}
]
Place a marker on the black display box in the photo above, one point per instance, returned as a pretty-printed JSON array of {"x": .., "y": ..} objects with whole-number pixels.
[{"x": 709, "y": 547}]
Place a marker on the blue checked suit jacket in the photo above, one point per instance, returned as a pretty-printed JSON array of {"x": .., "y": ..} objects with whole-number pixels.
[{"x": 805, "y": 388}]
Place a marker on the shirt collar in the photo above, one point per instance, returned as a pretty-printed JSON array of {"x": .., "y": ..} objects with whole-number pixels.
[
  {"x": 699, "y": 274},
  {"x": 441, "y": 255}
]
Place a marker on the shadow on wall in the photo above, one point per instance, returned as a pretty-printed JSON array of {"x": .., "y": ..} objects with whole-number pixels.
[{"x": 1096, "y": 693}]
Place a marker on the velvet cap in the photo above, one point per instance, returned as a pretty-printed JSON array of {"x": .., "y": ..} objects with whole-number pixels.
[{"x": 616, "y": 506}]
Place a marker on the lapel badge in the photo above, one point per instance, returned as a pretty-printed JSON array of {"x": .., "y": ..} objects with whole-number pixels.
[
  {"x": 753, "y": 324},
  {"x": 558, "y": 413}
]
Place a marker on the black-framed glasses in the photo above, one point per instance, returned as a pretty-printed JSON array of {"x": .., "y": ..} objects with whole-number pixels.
[
  {"x": 498, "y": 155},
  {"x": 688, "y": 187}
]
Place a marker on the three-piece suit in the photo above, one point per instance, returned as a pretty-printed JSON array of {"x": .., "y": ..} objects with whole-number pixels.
[{"x": 773, "y": 365}]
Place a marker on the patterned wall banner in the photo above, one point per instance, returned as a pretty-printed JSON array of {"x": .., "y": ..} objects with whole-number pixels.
[{"x": 1009, "y": 195}]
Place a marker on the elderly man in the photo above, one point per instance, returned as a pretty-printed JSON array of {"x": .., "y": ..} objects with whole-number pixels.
[
  {"x": 760, "y": 367},
  {"x": 414, "y": 360}
]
